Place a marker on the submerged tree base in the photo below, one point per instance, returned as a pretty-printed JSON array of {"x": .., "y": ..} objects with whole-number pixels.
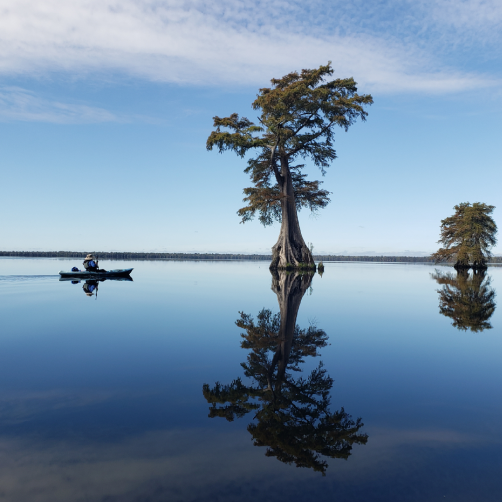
[
  {"x": 291, "y": 253},
  {"x": 307, "y": 267},
  {"x": 466, "y": 266}
]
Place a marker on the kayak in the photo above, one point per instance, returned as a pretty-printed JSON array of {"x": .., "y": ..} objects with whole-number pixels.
[
  {"x": 121, "y": 272},
  {"x": 96, "y": 279}
]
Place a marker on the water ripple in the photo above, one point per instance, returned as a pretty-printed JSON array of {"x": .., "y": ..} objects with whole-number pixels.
[{"x": 20, "y": 278}]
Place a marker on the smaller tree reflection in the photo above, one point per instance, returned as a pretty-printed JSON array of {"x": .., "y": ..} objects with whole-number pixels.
[
  {"x": 466, "y": 298},
  {"x": 292, "y": 413}
]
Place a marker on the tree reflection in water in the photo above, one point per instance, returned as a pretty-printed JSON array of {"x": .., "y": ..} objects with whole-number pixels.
[
  {"x": 466, "y": 298},
  {"x": 292, "y": 413}
]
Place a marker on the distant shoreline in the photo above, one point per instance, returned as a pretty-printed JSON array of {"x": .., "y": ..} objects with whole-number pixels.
[{"x": 107, "y": 255}]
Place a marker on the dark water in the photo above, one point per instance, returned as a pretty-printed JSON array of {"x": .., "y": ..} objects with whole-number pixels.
[{"x": 115, "y": 397}]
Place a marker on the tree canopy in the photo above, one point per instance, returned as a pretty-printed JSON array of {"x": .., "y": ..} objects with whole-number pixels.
[
  {"x": 467, "y": 236},
  {"x": 298, "y": 115}
]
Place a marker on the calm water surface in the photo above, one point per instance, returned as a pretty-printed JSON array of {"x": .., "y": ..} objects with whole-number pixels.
[{"x": 192, "y": 383}]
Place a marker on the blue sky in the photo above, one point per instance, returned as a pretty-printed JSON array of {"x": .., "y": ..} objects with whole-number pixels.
[{"x": 105, "y": 107}]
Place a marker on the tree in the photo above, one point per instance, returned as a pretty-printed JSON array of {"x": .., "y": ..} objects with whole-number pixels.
[
  {"x": 299, "y": 113},
  {"x": 468, "y": 300},
  {"x": 292, "y": 415},
  {"x": 467, "y": 236}
]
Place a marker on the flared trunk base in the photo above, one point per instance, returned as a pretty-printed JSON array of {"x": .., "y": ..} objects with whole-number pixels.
[
  {"x": 287, "y": 255},
  {"x": 290, "y": 251}
]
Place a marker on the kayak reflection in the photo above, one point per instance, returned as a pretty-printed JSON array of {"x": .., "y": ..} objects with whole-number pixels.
[
  {"x": 466, "y": 298},
  {"x": 292, "y": 414},
  {"x": 90, "y": 286}
]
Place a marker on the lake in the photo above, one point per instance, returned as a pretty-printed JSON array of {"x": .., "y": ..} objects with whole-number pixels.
[{"x": 216, "y": 381}]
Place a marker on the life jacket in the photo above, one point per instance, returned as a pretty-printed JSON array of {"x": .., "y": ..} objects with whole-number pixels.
[{"x": 90, "y": 264}]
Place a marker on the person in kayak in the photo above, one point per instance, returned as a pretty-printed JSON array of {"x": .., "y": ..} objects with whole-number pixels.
[{"x": 91, "y": 263}]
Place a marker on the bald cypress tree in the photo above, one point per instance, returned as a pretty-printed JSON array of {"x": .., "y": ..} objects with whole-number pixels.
[
  {"x": 299, "y": 113},
  {"x": 467, "y": 236}
]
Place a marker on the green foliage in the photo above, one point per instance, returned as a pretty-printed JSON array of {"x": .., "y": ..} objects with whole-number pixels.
[
  {"x": 298, "y": 116},
  {"x": 293, "y": 418},
  {"x": 301, "y": 267},
  {"x": 467, "y": 236},
  {"x": 310, "y": 266},
  {"x": 467, "y": 299}
]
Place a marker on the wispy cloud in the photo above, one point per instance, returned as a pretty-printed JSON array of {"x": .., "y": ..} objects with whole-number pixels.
[
  {"x": 231, "y": 41},
  {"x": 23, "y": 105},
  {"x": 483, "y": 16}
]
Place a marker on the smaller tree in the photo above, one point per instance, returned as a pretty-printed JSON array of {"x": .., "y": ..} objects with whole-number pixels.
[{"x": 467, "y": 236}]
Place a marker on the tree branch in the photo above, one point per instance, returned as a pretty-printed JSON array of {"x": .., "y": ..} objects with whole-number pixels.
[
  {"x": 302, "y": 146},
  {"x": 303, "y": 125}
]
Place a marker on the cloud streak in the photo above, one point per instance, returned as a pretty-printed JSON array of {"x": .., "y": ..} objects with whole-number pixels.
[
  {"x": 230, "y": 43},
  {"x": 17, "y": 104}
]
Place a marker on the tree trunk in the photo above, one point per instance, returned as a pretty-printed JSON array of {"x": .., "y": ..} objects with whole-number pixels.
[
  {"x": 289, "y": 288},
  {"x": 461, "y": 265},
  {"x": 462, "y": 260},
  {"x": 290, "y": 251}
]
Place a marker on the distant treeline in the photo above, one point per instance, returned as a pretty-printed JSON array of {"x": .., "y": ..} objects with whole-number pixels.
[
  {"x": 388, "y": 259},
  {"x": 396, "y": 259},
  {"x": 106, "y": 255}
]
